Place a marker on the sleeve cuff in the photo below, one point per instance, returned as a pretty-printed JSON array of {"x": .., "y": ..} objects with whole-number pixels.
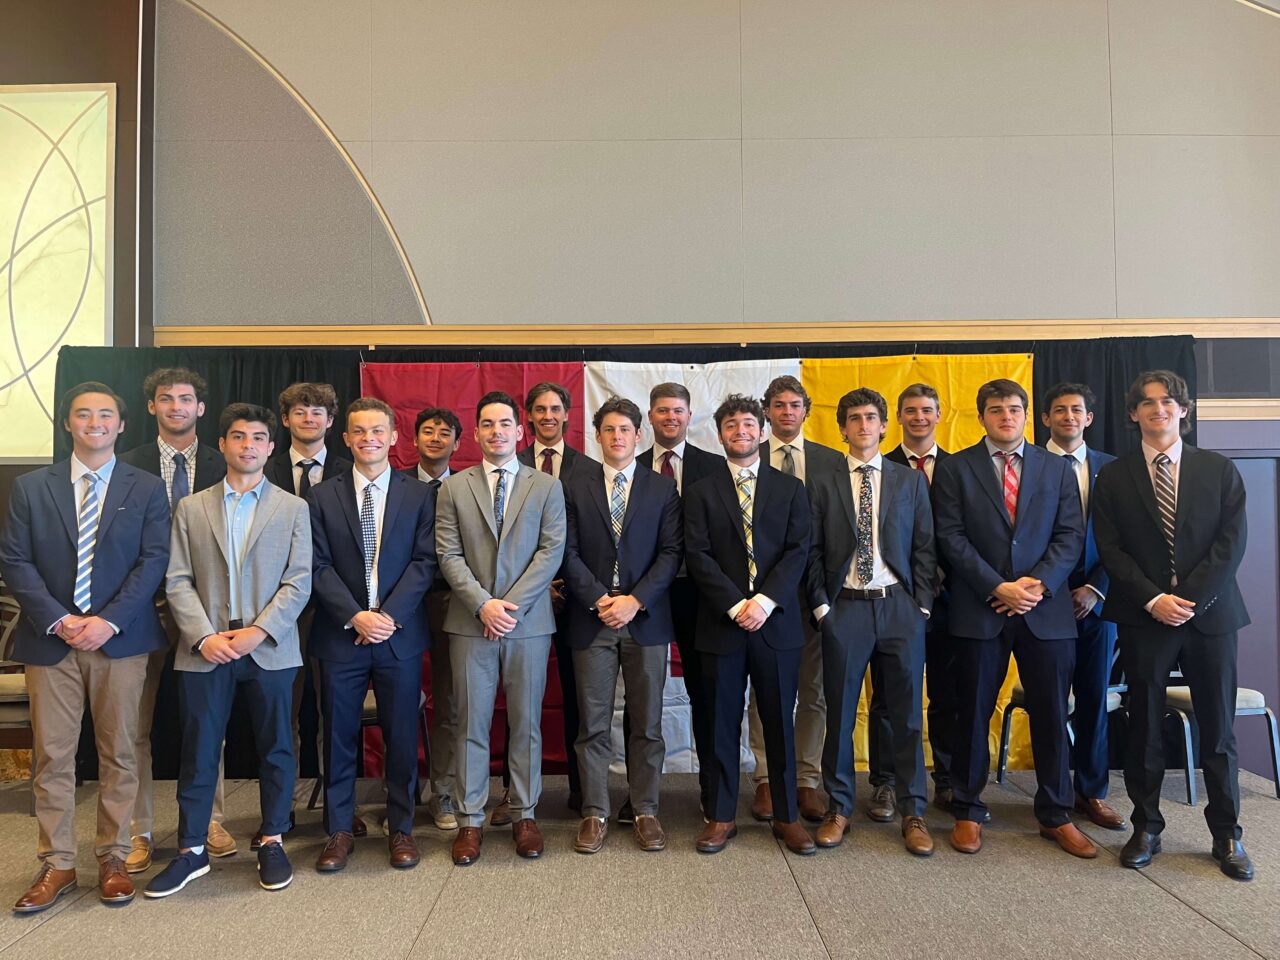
[
  {"x": 820, "y": 613},
  {"x": 733, "y": 611},
  {"x": 1152, "y": 602},
  {"x": 768, "y": 605},
  {"x": 1101, "y": 595}
]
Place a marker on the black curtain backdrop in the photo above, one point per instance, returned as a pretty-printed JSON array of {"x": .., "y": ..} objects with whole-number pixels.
[{"x": 257, "y": 375}]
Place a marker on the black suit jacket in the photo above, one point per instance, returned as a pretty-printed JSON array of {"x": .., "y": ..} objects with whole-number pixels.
[
  {"x": 716, "y": 555},
  {"x": 280, "y": 471},
  {"x": 572, "y": 459},
  {"x": 904, "y": 533},
  {"x": 1209, "y": 539},
  {"x": 940, "y": 610},
  {"x": 696, "y": 465},
  {"x": 897, "y": 455},
  {"x": 818, "y": 460},
  {"x": 648, "y": 553},
  {"x": 406, "y": 565},
  {"x": 211, "y": 465}
]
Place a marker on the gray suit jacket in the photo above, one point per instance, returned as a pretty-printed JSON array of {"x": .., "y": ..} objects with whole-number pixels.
[
  {"x": 276, "y": 576},
  {"x": 520, "y": 568}
]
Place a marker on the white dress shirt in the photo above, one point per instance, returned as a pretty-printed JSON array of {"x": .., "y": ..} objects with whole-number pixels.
[
  {"x": 765, "y": 602},
  {"x": 777, "y": 456},
  {"x": 557, "y": 459},
  {"x": 930, "y": 459},
  {"x": 512, "y": 470},
  {"x": 629, "y": 471},
  {"x": 317, "y": 468},
  {"x": 1080, "y": 456},
  {"x": 677, "y": 462},
  {"x": 379, "y": 486},
  {"x": 881, "y": 575},
  {"x": 428, "y": 478},
  {"x": 1174, "y": 453}
]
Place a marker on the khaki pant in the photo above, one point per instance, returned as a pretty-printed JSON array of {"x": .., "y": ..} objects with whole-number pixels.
[
  {"x": 58, "y": 693},
  {"x": 144, "y": 807},
  {"x": 811, "y": 719}
]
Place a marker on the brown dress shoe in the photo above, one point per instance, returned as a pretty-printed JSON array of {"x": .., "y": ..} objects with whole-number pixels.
[
  {"x": 834, "y": 827},
  {"x": 403, "y": 850},
  {"x": 466, "y": 846},
  {"x": 501, "y": 815},
  {"x": 591, "y": 834},
  {"x": 966, "y": 836},
  {"x": 649, "y": 834},
  {"x": 1100, "y": 812},
  {"x": 528, "y": 838},
  {"x": 335, "y": 853},
  {"x": 810, "y": 803},
  {"x": 795, "y": 836},
  {"x": 49, "y": 884},
  {"x": 114, "y": 884},
  {"x": 762, "y": 805},
  {"x": 1071, "y": 840},
  {"x": 715, "y": 835},
  {"x": 915, "y": 835}
]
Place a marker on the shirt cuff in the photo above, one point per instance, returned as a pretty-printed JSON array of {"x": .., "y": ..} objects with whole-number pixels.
[
  {"x": 1152, "y": 602},
  {"x": 819, "y": 613},
  {"x": 733, "y": 611},
  {"x": 925, "y": 612},
  {"x": 1101, "y": 595},
  {"x": 53, "y": 627},
  {"x": 113, "y": 627},
  {"x": 768, "y": 605}
]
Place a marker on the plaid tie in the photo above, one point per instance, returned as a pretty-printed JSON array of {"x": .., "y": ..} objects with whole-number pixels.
[
  {"x": 547, "y": 466},
  {"x": 87, "y": 538},
  {"x": 369, "y": 533},
  {"x": 500, "y": 499},
  {"x": 744, "y": 507},
  {"x": 617, "y": 508},
  {"x": 181, "y": 485},
  {"x": 1010, "y": 484},
  {"x": 863, "y": 558},
  {"x": 1167, "y": 501},
  {"x": 788, "y": 461}
]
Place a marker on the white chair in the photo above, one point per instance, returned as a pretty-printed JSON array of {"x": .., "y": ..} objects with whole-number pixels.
[{"x": 1249, "y": 703}]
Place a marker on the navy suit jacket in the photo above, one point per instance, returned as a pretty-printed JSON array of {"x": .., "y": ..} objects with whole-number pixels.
[
  {"x": 210, "y": 466},
  {"x": 1209, "y": 540},
  {"x": 940, "y": 612},
  {"x": 1090, "y": 569},
  {"x": 983, "y": 549},
  {"x": 904, "y": 533},
  {"x": 648, "y": 554},
  {"x": 406, "y": 565},
  {"x": 279, "y": 469},
  {"x": 716, "y": 555},
  {"x": 131, "y": 555}
]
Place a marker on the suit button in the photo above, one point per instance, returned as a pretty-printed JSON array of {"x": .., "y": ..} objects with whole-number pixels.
[{"x": 1013, "y": 542}]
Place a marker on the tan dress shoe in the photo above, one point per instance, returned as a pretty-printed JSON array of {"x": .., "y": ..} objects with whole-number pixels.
[
  {"x": 501, "y": 815},
  {"x": 762, "y": 805},
  {"x": 336, "y": 852},
  {"x": 795, "y": 836},
  {"x": 650, "y": 836},
  {"x": 49, "y": 884},
  {"x": 715, "y": 836},
  {"x": 966, "y": 836},
  {"x": 114, "y": 885},
  {"x": 466, "y": 846},
  {"x": 219, "y": 843},
  {"x": 1100, "y": 812},
  {"x": 591, "y": 834},
  {"x": 528, "y": 838},
  {"x": 915, "y": 836},
  {"x": 403, "y": 850},
  {"x": 834, "y": 827},
  {"x": 139, "y": 858},
  {"x": 1070, "y": 839},
  {"x": 810, "y": 803}
]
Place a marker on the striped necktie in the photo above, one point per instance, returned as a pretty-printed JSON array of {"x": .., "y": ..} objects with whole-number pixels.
[
  {"x": 86, "y": 540},
  {"x": 617, "y": 509},
  {"x": 1010, "y": 484},
  {"x": 744, "y": 508},
  {"x": 1167, "y": 501}
]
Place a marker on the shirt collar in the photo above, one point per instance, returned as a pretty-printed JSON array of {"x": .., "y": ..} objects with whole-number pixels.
[
  {"x": 78, "y": 470},
  {"x": 428, "y": 478},
  {"x": 296, "y": 458},
  {"x": 931, "y": 452},
  {"x": 167, "y": 450},
  {"x": 678, "y": 450},
  {"x": 512, "y": 467},
  {"x": 629, "y": 471},
  {"x": 1080, "y": 453},
  {"x": 1174, "y": 453},
  {"x": 256, "y": 492},
  {"x": 734, "y": 469},
  {"x": 777, "y": 443},
  {"x": 382, "y": 483},
  {"x": 875, "y": 463},
  {"x": 539, "y": 446},
  {"x": 992, "y": 449}
]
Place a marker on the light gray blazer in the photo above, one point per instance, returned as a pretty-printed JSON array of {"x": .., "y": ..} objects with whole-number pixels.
[
  {"x": 520, "y": 569},
  {"x": 275, "y": 579}
]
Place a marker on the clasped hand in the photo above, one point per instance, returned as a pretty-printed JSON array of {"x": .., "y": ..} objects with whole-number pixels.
[
  {"x": 751, "y": 616},
  {"x": 617, "y": 612},
  {"x": 231, "y": 644},
  {"x": 496, "y": 617},
  {"x": 372, "y": 626},
  {"x": 1017, "y": 597},
  {"x": 84, "y": 633}
]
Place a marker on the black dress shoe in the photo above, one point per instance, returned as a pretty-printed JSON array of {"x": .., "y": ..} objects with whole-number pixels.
[
  {"x": 1137, "y": 853},
  {"x": 1232, "y": 860}
]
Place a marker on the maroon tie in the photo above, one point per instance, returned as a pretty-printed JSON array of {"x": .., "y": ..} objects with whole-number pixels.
[
  {"x": 667, "y": 470},
  {"x": 547, "y": 454},
  {"x": 919, "y": 464}
]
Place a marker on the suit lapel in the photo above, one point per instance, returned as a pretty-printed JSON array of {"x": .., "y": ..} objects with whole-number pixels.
[
  {"x": 639, "y": 488},
  {"x": 213, "y": 512},
  {"x": 1032, "y": 464},
  {"x": 727, "y": 488},
  {"x": 1186, "y": 477},
  {"x": 602, "y": 504},
  {"x": 980, "y": 464},
  {"x": 890, "y": 482},
  {"x": 269, "y": 501},
  {"x": 484, "y": 499},
  {"x": 347, "y": 497},
  {"x": 517, "y": 497},
  {"x": 64, "y": 497},
  {"x": 395, "y": 500},
  {"x": 1146, "y": 492},
  {"x": 844, "y": 492},
  {"x": 122, "y": 480},
  {"x": 765, "y": 488}
]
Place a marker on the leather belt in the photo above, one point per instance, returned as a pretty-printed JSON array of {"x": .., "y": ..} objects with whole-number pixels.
[
  {"x": 871, "y": 593},
  {"x": 615, "y": 592},
  {"x": 235, "y": 624}
]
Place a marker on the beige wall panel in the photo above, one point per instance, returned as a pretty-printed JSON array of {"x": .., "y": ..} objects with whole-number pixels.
[
  {"x": 1198, "y": 226},
  {"x": 832, "y": 68},
  {"x": 555, "y": 70},
  {"x": 1194, "y": 67},
  {"x": 322, "y": 47},
  {"x": 630, "y": 232},
  {"x": 928, "y": 229},
  {"x": 361, "y": 153}
]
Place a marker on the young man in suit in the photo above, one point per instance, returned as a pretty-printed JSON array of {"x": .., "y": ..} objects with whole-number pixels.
[
  {"x": 1170, "y": 523},
  {"x": 437, "y": 433},
  {"x": 176, "y": 397},
  {"x": 500, "y": 531},
  {"x": 84, "y": 550},
  {"x": 672, "y": 455},
  {"x": 625, "y": 542},
  {"x": 786, "y": 407},
  {"x": 747, "y": 546},
  {"x": 1008, "y": 524},
  {"x": 373, "y": 536},
  {"x": 1067, "y": 412},
  {"x": 919, "y": 412},
  {"x": 872, "y": 568},
  {"x": 239, "y": 576}
]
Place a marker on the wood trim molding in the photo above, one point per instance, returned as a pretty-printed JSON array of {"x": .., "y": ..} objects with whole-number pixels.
[
  {"x": 372, "y": 336},
  {"x": 1263, "y": 409}
]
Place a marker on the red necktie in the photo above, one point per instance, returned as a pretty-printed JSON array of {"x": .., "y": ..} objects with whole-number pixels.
[
  {"x": 547, "y": 454},
  {"x": 918, "y": 463},
  {"x": 1010, "y": 485},
  {"x": 668, "y": 470}
]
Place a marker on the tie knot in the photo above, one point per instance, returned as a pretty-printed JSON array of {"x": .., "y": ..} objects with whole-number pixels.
[
  {"x": 619, "y": 479},
  {"x": 1161, "y": 460},
  {"x": 1009, "y": 456},
  {"x": 304, "y": 464},
  {"x": 180, "y": 459},
  {"x": 864, "y": 469},
  {"x": 744, "y": 476},
  {"x": 91, "y": 479}
]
